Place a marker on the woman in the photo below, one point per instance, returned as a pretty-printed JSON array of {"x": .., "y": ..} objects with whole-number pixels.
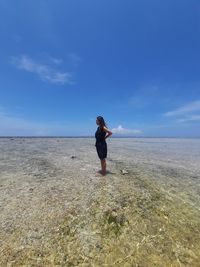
[{"x": 101, "y": 145}]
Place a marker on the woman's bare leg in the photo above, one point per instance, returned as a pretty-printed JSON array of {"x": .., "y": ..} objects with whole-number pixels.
[{"x": 103, "y": 167}]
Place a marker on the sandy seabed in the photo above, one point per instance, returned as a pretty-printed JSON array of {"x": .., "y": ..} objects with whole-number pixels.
[{"x": 55, "y": 210}]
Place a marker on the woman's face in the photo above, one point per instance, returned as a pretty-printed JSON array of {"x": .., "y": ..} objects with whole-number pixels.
[{"x": 97, "y": 121}]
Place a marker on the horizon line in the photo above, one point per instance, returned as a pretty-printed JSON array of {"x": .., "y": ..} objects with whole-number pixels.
[{"x": 90, "y": 136}]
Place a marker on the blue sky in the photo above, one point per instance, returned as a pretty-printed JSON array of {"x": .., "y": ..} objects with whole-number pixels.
[{"x": 135, "y": 62}]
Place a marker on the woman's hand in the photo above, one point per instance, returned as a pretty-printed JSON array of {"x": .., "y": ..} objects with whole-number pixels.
[{"x": 107, "y": 131}]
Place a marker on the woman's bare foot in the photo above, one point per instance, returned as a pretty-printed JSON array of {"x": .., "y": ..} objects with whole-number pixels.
[
  {"x": 100, "y": 173},
  {"x": 103, "y": 173},
  {"x": 97, "y": 174}
]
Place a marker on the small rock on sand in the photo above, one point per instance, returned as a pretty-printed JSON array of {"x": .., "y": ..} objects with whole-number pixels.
[{"x": 124, "y": 171}]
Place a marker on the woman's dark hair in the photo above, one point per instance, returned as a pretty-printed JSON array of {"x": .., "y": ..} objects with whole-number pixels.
[{"x": 101, "y": 122}]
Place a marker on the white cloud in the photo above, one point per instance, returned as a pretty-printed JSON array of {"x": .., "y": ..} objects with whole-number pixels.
[
  {"x": 45, "y": 72},
  {"x": 190, "y": 118},
  {"x": 56, "y": 61},
  {"x": 184, "y": 110},
  {"x": 189, "y": 112},
  {"x": 121, "y": 130}
]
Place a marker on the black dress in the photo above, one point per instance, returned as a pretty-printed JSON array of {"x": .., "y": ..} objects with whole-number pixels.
[{"x": 101, "y": 145}]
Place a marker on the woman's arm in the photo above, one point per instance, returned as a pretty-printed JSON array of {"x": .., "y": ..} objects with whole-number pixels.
[{"x": 107, "y": 131}]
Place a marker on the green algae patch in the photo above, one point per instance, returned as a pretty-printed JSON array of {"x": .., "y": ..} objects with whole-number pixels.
[{"x": 132, "y": 223}]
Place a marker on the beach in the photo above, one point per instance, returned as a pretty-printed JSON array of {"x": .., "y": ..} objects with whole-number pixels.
[{"x": 55, "y": 210}]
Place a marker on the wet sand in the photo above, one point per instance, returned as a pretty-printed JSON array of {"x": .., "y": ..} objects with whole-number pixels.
[{"x": 54, "y": 210}]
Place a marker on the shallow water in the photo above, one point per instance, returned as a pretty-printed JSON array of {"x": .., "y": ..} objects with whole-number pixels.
[{"x": 56, "y": 212}]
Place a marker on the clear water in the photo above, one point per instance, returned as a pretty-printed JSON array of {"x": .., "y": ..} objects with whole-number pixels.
[{"x": 56, "y": 212}]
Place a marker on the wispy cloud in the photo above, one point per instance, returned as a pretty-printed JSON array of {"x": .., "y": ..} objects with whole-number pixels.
[
  {"x": 75, "y": 59},
  {"x": 44, "y": 71},
  {"x": 16, "y": 125},
  {"x": 184, "y": 110},
  {"x": 144, "y": 97},
  {"x": 190, "y": 118},
  {"x": 121, "y": 130},
  {"x": 13, "y": 125},
  {"x": 189, "y": 112},
  {"x": 56, "y": 61}
]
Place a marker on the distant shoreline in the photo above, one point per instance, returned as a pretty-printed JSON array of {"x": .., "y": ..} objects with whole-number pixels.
[{"x": 113, "y": 137}]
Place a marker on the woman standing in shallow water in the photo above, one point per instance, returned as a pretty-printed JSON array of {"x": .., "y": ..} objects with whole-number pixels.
[{"x": 101, "y": 145}]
